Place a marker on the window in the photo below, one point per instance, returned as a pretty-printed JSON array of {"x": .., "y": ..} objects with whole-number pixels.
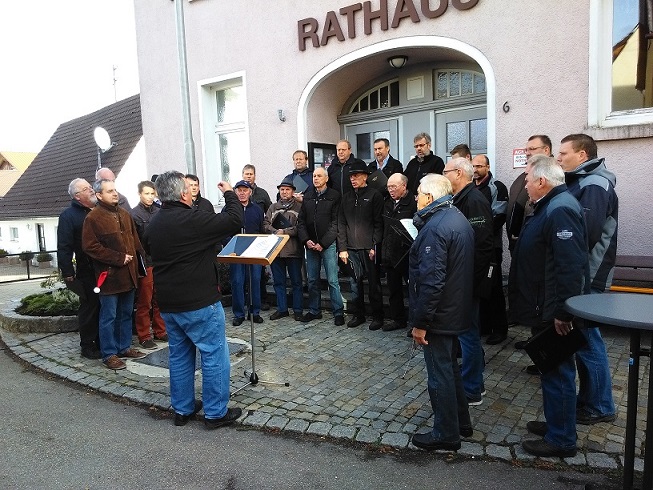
[
  {"x": 380, "y": 97},
  {"x": 13, "y": 234},
  {"x": 621, "y": 62},
  {"x": 230, "y": 129},
  {"x": 458, "y": 83}
]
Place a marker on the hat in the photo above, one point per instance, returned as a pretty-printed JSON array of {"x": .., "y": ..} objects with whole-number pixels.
[
  {"x": 243, "y": 183},
  {"x": 359, "y": 167},
  {"x": 286, "y": 182}
]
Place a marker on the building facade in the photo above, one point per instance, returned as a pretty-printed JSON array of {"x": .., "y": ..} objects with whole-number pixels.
[{"x": 266, "y": 78}]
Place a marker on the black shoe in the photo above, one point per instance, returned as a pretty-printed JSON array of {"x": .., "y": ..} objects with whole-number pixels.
[
  {"x": 532, "y": 369},
  {"x": 229, "y": 418},
  {"x": 238, "y": 321},
  {"x": 496, "y": 338},
  {"x": 543, "y": 449},
  {"x": 376, "y": 324},
  {"x": 520, "y": 345},
  {"x": 183, "y": 419},
  {"x": 426, "y": 442},
  {"x": 309, "y": 317},
  {"x": 279, "y": 314},
  {"x": 91, "y": 353},
  {"x": 356, "y": 321},
  {"x": 265, "y": 306},
  {"x": 258, "y": 319},
  {"x": 298, "y": 317},
  {"x": 339, "y": 321},
  {"x": 536, "y": 427},
  {"x": 163, "y": 338},
  {"x": 466, "y": 431},
  {"x": 394, "y": 325},
  {"x": 583, "y": 417}
]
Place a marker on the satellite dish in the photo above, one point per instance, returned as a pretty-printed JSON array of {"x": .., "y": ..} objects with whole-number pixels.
[{"x": 102, "y": 138}]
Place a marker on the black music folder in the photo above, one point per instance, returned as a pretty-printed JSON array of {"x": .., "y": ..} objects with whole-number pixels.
[{"x": 547, "y": 349}]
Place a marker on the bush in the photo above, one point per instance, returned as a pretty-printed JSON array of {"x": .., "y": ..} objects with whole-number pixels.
[
  {"x": 3, "y": 253},
  {"x": 51, "y": 303},
  {"x": 44, "y": 257},
  {"x": 25, "y": 256}
]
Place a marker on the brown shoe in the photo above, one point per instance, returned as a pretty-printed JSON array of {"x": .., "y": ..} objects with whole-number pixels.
[
  {"x": 114, "y": 362},
  {"x": 132, "y": 354}
]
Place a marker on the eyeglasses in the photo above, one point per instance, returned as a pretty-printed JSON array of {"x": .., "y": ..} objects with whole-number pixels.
[
  {"x": 420, "y": 145},
  {"x": 479, "y": 166},
  {"x": 84, "y": 189},
  {"x": 533, "y": 148},
  {"x": 393, "y": 187},
  {"x": 445, "y": 172}
]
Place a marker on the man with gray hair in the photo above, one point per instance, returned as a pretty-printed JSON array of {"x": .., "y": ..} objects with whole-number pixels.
[
  {"x": 424, "y": 162},
  {"x": 185, "y": 277},
  {"x": 550, "y": 265},
  {"x": 441, "y": 274},
  {"x": 79, "y": 276},
  {"x": 105, "y": 173}
]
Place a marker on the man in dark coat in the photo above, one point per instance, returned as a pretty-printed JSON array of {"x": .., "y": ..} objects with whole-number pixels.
[
  {"x": 79, "y": 277},
  {"x": 339, "y": 168},
  {"x": 400, "y": 204},
  {"x": 300, "y": 161},
  {"x": 550, "y": 265},
  {"x": 476, "y": 209},
  {"x": 199, "y": 202},
  {"x": 182, "y": 242},
  {"x": 110, "y": 238},
  {"x": 441, "y": 284},
  {"x": 425, "y": 162}
]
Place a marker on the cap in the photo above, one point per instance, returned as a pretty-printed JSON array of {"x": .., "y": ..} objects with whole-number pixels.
[
  {"x": 243, "y": 183},
  {"x": 287, "y": 183}
]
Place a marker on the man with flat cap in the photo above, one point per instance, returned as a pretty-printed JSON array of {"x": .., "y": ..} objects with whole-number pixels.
[{"x": 360, "y": 230}]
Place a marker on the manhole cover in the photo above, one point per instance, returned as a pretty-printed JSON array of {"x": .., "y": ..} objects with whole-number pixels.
[{"x": 159, "y": 358}]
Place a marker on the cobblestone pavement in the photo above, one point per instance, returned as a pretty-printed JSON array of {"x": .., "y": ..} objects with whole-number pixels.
[{"x": 351, "y": 384}]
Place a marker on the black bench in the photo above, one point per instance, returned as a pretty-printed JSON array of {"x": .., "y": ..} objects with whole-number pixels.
[{"x": 633, "y": 274}]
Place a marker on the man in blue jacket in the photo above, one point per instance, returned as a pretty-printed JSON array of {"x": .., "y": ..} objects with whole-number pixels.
[
  {"x": 441, "y": 283},
  {"x": 182, "y": 241},
  {"x": 549, "y": 265}
]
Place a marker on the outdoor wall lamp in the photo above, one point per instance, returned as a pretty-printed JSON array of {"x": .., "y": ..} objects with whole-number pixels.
[{"x": 397, "y": 61}]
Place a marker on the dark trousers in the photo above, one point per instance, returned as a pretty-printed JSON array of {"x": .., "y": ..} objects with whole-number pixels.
[
  {"x": 89, "y": 310},
  {"x": 395, "y": 278},
  {"x": 493, "y": 310},
  {"x": 374, "y": 283}
]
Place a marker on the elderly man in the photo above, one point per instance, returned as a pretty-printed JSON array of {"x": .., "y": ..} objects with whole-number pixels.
[
  {"x": 185, "y": 276},
  {"x": 469, "y": 200},
  {"x": 78, "y": 275},
  {"x": 281, "y": 219},
  {"x": 360, "y": 229},
  {"x": 425, "y": 162},
  {"x": 441, "y": 278},
  {"x": 107, "y": 174},
  {"x": 339, "y": 168},
  {"x": 110, "y": 238},
  {"x": 549, "y": 265},
  {"x": 149, "y": 324},
  {"x": 593, "y": 185},
  {"x": 318, "y": 230},
  {"x": 400, "y": 204}
]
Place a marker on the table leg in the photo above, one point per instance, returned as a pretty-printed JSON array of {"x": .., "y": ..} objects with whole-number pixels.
[
  {"x": 631, "y": 410},
  {"x": 647, "y": 481}
]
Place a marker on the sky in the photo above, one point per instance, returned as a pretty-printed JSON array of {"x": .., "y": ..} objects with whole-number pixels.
[{"x": 57, "y": 59}]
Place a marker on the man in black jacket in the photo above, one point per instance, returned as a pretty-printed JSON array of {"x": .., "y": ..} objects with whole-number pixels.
[
  {"x": 476, "y": 209},
  {"x": 360, "y": 230},
  {"x": 182, "y": 242},
  {"x": 199, "y": 202},
  {"x": 79, "y": 277},
  {"x": 400, "y": 204},
  {"x": 425, "y": 162},
  {"x": 339, "y": 169},
  {"x": 317, "y": 228}
]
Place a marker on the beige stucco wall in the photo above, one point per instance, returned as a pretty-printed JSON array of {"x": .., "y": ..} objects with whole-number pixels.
[{"x": 540, "y": 68}]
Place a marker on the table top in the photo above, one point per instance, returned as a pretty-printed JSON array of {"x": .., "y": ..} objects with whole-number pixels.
[{"x": 627, "y": 310}]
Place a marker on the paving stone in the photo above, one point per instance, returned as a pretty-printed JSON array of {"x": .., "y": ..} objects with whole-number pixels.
[
  {"x": 342, "y": 432},
  {"x": 277, "y": 422},
  {"x": 319, "y": 428},
  {"x": 471, "y": 449},
  {"x": 601, "y": 460},
  {"x": 368, "y": 435},
  {"x": 500, "y": 452},
  {"x": 257, "y": 419},
  {"x": 395, "y": 439}
]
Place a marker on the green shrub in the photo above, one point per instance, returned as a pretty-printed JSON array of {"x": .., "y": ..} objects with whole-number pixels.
[
  {"x": 44, "y": 257},
  {"x": 3, "y": 253},
  {"x": 51, "y": 303},
  {"x": 27, "y": 255}
]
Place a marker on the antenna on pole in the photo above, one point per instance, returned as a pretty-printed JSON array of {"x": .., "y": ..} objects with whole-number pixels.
[{"x": 115, "y": 96}]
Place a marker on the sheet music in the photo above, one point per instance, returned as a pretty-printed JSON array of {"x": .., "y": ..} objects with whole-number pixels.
[
  {"x": 410, "y": 227},
  {"x": 261, "y": 246}
]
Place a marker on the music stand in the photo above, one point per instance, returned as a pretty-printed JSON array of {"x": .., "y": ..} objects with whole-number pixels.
[
  {"x": 398, "y": 228},
  {"x": 251, "y": 249}
]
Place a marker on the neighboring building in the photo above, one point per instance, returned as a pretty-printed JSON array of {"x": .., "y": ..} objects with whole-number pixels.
[
  {"x": 30, "y": 209},
  {"x": 482, "y": 72},
  {"x": 12, "y": 166}
]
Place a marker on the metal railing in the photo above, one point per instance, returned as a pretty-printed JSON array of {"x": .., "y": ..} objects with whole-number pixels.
[{"x": 25, "y": 266}]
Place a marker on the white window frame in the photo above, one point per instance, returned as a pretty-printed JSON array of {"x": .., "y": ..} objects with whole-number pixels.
[
  {"x": 13, "y": 234},
  {"x": 600, "y": 112}
]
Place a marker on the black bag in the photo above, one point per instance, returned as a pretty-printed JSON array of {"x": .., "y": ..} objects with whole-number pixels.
[{"x": 547, "y": 349}]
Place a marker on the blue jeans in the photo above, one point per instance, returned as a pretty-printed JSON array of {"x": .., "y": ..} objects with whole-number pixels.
[
  {"x": 445, "y": 387},
  {"x": 559, "y": 398},
  {"x": 314, "y": 260},
  {"x": 472, "y": 362},
  {"x": 294, "y": 266},
  {"x": 595, "y": 387},
  {"x": 115, "y": 323},
  {"x": 240, "y": 278},
  {"x": 203, "y": 329}
]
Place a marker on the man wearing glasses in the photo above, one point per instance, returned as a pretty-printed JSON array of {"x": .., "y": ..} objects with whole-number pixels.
[{"x": 425, "y": 162}]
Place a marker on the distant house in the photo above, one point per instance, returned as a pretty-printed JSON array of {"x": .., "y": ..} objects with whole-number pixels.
[
  {"x": 30, "y": 209},
  {"x": 12, "y": 166}
]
